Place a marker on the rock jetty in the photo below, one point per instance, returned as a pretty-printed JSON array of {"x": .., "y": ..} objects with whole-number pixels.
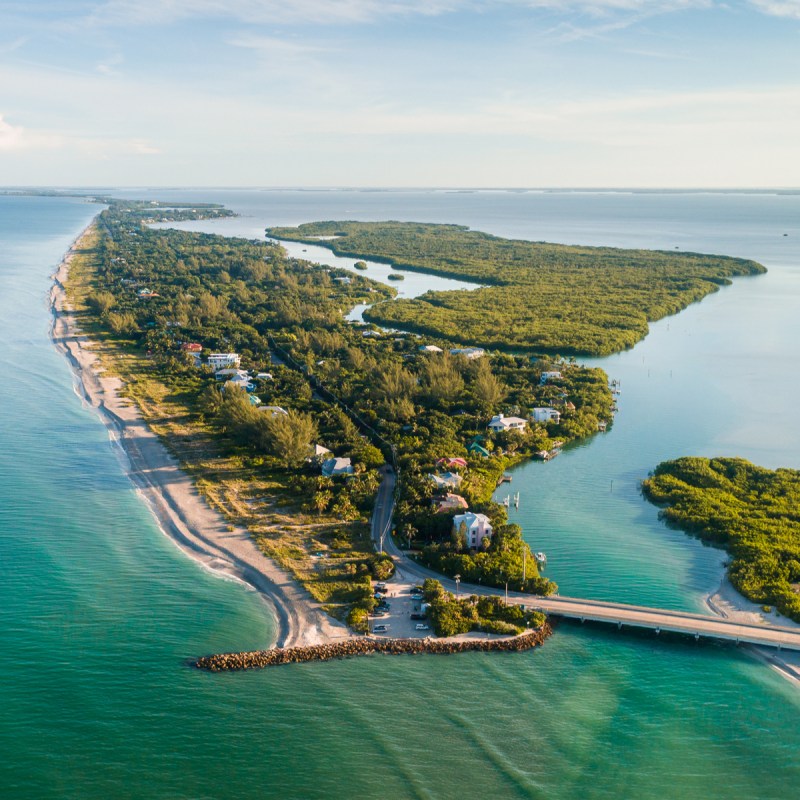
[{"x": 367, "y": 646}]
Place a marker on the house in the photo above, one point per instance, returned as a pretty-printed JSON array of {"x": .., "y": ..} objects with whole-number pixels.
[
  {"x": 231, "y": 374},
  {"x": 146, "y": 294},
  {"x": 219, "y": 361},
  {"x": 192, "y": 347},
  {"x": 343, "y": 279},
  {"x": 452, "y": 462},
  {"x": 430, "y": 348},
  {"x": 500, "y": 423},
  {"x": 477, "y": 528},
  {"x": 239, "y": 384},
  {"x": 449, "y": 502},
  {"x": 336, "y": 466},
  {"x": 319, "y": 453},
  {"x": 477, "y": 448},
  {"x": 254, "y": 401},
  {"x": 545, "y": 415},
  {"x": 468, "y": 352},
  {"x": 447, "y": 480},
  {"x": 273, "y": 411},
  {"x": 552, "y": 375},
  {"x": 264, "y": 376}
]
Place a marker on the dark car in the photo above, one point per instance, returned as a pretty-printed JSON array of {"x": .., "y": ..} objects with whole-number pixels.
[{"x": 418, "y": 616}]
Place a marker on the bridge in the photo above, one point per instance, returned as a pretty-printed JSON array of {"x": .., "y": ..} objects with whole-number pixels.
[
  {"x": 657, "y": 619},
  {"x": 619, "y": 614}
]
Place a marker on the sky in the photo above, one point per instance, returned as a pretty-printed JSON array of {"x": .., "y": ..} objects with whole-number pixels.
[{"x": 400, "y": 93}]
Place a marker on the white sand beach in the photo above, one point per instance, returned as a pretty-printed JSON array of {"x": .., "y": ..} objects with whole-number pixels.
[{"x": 182, "y": 513}]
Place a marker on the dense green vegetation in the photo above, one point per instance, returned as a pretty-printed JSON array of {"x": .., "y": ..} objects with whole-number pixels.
[
  {"x": 363, "y": 394},
  {"x": 753, "y": 512},
  {"x": 537, "y": 297},
  {"x": 506, "y": 561},
  {"x": 452, "y": 615}
]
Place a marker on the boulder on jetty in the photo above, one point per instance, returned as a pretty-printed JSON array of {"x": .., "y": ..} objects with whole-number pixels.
[{"x": 366, "y": 646}]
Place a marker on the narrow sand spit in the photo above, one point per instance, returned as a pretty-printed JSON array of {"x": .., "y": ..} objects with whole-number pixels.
[
  {"x": 727, "y": 602},
  {"x": 181, "y": 512}
]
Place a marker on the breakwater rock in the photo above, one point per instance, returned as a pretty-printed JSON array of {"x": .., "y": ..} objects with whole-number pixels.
[{"x": 363, "y": 646}]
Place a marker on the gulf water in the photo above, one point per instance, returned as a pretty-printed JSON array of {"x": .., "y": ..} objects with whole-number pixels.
[{"x": 99, "y": 611}]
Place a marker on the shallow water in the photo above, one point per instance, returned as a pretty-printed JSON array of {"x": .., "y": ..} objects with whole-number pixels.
[{"x": 98, "y": 610}]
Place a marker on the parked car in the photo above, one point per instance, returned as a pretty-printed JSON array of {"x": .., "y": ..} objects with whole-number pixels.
[
  {"x": 417, "y": 597},
  {"x": 380, "y": 629},
  {"x": 417, "y": 615},
  {"x": 380, "y": 587},
  {"x": 422, "y": 627}
]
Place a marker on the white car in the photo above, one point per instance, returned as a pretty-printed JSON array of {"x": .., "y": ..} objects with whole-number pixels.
[{"x": 421, "y": 626}]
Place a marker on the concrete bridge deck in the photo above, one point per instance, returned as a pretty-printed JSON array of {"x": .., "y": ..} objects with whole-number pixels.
[{"x": 656, "y": 619}]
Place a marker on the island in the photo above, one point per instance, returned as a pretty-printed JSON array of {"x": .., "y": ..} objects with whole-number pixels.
[
  {"x": 752, "y": 512},
  {"x": 291, "y": 420}
]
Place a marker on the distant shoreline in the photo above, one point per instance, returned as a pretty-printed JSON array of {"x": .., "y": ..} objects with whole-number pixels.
[{"x": 181, "y": 513}]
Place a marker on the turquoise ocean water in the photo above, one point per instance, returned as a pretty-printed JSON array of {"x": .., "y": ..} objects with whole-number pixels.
[{"x": 99, "y": 611}]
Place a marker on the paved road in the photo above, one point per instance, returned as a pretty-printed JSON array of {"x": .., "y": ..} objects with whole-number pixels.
[{"x": 577, "y": 608}]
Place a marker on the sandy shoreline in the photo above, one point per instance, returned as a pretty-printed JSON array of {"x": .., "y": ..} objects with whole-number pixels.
[
  {"x": 203, "y": 533},
  {"x": 728, "y": 603},
  {"x": 182, "y": 514}
]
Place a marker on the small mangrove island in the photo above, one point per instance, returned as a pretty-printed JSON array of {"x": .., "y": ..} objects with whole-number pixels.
[{"x": 754, "y": 513}]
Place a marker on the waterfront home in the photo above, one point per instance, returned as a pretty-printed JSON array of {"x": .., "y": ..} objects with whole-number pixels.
[
  {"x": 501, "y": 423},
  {"x": 264, "y": 376},
  {"x": 430, "y": 348},
  {"x": 219, "y": 361},
  {"x": 447, "y": 480},
  {"x": 452, "y": 462},
  {"x": 146, "y": 294},
  {"x": 336, "y": 466},
  {"x": 474, "y": 447},
  {"x": 476, "y": 527},
  {"x": 552, "y": 375},
  {"x": 545, "y": 415},
  {"x": 273, "y": 411},
  {"x": 449, "y": 502},
  {"x": 468, "y": 352},
  {"x": 192, "y": 347}
]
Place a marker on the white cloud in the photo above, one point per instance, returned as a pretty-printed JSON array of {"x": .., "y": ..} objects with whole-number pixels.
[
  {"x": 779, "y": 8},
  {"x": 15, "y": 137},
  {"x": 265, "y": 11}
]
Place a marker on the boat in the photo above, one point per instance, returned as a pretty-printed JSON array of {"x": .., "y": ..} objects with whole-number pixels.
[{"x": 541, "y": 558}]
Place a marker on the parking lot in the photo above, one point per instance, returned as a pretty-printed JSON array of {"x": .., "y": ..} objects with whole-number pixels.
[{"x": 398, "y": 621}]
